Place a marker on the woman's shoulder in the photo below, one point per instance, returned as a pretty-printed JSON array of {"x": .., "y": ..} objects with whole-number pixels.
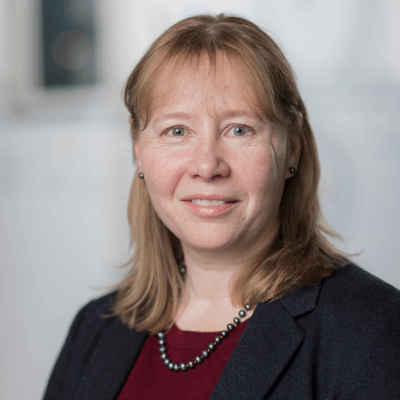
[
  {"x": 93, "y": 332},
  {"x": 349, "y": 292},
  {"x": 353, "y": 297},
  {"x": 100, "y": 305},
  {"x": 94, "y": 309},
  {"x": 95, "y": 314},
  {"x": 358, "y": 321},
  {"x": 89, "y": 323},
  {"x": 353, "y": 285}
]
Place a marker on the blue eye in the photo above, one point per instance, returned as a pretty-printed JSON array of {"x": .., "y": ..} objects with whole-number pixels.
[
  {"x": 239, "y": 130},
  {"x": 177, "y": 132}
]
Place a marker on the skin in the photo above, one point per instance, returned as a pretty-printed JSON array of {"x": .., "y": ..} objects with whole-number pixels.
[{"x": 209, "y": 156}]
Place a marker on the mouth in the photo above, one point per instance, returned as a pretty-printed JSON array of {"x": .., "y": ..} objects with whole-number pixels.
[
  {"x": 201, "y": 202},
  {"x": 210, "y": 208}
]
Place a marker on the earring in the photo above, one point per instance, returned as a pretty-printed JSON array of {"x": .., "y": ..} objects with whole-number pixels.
[
  {"x": 141, "y": 176},
  {"x": 182, "y": 269},
  {"x": 292, "y": 170}
]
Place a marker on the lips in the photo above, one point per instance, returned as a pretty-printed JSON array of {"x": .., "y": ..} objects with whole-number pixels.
[
  {"x": 208, "y": 211},
  {"x": 218, "y": 197},
  {"x": 209, "y": 202}
]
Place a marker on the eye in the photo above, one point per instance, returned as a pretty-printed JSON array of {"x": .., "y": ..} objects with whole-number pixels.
[
  {"x": 239, "y": 130},
  {"x": 176, "y": 132}
]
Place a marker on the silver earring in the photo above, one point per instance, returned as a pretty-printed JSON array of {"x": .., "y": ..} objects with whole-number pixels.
[
  {"x": 141, "y": 176},
  {"x": 292, "y": 170}
]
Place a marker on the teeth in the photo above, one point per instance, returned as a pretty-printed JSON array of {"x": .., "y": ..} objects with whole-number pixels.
[{"x": 208, "y": 202}]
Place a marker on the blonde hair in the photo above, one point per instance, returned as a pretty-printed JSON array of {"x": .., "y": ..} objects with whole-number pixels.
[{"x": 300, "y": 254}]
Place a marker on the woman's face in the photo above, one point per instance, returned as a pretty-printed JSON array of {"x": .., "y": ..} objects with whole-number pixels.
[{"x": 205, "y": 141}]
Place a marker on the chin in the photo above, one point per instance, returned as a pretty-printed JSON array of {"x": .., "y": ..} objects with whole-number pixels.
[{"x": 210, "y": 244}]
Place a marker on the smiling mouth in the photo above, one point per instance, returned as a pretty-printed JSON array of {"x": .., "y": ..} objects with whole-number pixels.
[
  {"x": 210, "y": 208},
  {"x": 209, "y": 202}
]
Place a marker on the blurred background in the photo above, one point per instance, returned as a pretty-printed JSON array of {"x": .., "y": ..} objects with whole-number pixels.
[{"x": 66, "y": 159}]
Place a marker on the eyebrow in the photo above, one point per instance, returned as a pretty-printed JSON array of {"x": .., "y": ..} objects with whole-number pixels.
[
  {"x": 238, "y": 113},
  {"x": 187, "y": 116},
  {"x": 176, "y": 115}
]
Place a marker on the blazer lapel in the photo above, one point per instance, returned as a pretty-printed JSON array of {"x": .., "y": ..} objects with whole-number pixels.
[
  {"x": 269, "y": 341},
  {"x": 112, "y": 360}
]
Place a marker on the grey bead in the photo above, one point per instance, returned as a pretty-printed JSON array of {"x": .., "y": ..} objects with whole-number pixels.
[
  {"x": 218, "y": 340},
  {"x": 161, "y": 342},
  {"x": 166, "y": 362},
  {"x": 247, "y": 307},
  {"x": 164, "y": 356},
  {"x": 163, "y": 350},
  {"x": 224, "y": 334},
  {"x": 212, "y": 346},
  {"x": 230, "y": 327},
  {"x": 191, "y": 364},
  {"x": 161, "y": 335},
  {"x": 182, "y": 270},
  {"x": 236, "y": 320},
  {"x": 171, "y": 365},
  {"x": 177, "y": 367},
  {"x": 242, "y": 313},
  {"x": 183, "y": 367},
  {"x": 205, "y": 354},
  {"x": 198, "y": 360}
]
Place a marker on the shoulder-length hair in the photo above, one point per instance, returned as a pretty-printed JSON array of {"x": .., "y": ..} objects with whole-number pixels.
[{"x": 300, "y": 254}]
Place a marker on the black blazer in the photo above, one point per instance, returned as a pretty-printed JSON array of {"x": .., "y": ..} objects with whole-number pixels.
[{"x": 339, "y": 340}]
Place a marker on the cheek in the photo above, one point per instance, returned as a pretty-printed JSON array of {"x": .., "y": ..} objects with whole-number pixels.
[
  {"x": 261, "y": 175},
  {"x": 258, "y": 167},
  {"x": 162, "y": 171}
]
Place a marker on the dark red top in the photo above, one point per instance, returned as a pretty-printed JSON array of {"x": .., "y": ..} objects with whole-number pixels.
[{"x": 150, "y": 379}]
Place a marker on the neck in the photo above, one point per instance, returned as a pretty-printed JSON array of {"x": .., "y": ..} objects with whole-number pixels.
[{"x": 206, "y": 303}]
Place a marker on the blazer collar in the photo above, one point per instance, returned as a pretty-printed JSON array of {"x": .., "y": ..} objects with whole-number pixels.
[
  {"x": 267, "y": 344},
  {"x": 301, "y": 301}
]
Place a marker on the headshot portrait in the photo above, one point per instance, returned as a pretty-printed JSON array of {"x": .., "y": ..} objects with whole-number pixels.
[{"x": 214, "y": 214}]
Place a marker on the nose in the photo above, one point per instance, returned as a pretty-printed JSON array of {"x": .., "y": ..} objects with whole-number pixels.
[{"x": 209, "y": 159}]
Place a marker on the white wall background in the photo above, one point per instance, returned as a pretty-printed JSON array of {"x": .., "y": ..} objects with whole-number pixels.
[{"x": 65, "y": 156}]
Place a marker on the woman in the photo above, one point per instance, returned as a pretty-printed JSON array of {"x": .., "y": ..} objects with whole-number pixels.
[{"x": 234, "y": 291}]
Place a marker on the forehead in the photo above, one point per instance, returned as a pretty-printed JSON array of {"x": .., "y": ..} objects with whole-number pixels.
[{"x": 217, "y": 87}]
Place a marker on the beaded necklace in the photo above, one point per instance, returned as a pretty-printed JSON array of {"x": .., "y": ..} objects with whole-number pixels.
[{"x": 205, "y": 353}]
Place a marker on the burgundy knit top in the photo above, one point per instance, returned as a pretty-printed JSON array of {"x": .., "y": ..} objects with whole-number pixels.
[{"x": 150, "y": 379}]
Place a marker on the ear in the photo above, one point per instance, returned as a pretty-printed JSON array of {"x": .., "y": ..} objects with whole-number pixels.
[
  {"x": 136, "y": 146},
  {"x": 293, "y": 152}
]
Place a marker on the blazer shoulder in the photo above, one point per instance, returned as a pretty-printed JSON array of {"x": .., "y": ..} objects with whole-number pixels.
[
  {"x": 94, "y": 315},
  {"x": 352, "y": 278},
  {"x": 101, "y": 305},
  {"x": 358, "y": 292},
  {"x": 358, "y": 319}
]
